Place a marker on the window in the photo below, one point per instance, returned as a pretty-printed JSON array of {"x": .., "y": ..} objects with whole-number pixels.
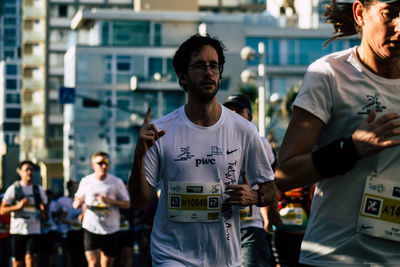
[
  {"x": 157, "y": 34},
  {"x": 11, "y": 84},
  {"x": 155, "y": 66},
  {"x": 135, "y": 33},
  {"x": 11, "y": 69},
  {"x": 9, "y": 10},
  {"x": 13, "y": 112},
  {"x": 13, "y": 98},
  {"x": 62, "y": 11},
  {"x": 8, "y": 54},
  {"x": 10, "y": 21},
  {"x": 11, "y": 126},
  {"x": 9, "y": 42},
  {"x": 123, "y": 140},
  {"x": 9, "y": 32}
]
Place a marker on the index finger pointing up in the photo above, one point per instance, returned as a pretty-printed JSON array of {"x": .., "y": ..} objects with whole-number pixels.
[{"x": 147, "y": 118}]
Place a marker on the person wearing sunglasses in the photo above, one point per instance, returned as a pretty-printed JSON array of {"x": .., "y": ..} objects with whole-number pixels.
[{"x": 101, "y": 195}]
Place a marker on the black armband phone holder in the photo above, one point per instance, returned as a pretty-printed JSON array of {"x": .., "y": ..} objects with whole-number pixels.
[{"x": 336, "y": 158}]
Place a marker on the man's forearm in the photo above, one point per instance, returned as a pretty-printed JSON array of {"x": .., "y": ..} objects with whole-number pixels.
[
  {"x": 268, "y": 194},
  {"x": 140, "y": 191}
]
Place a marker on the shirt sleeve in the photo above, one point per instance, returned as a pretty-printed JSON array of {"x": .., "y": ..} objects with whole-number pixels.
[
  {"x": 315, "y": 95},
  {"x": 9, "y": 195},
  {"x": 152, "y": 167},
  {"x": 80, "y": 193},
  {"x": 122, "y": 191},
  {"x": 257, "y": 165},
  {"x": 43, "y": 195}
]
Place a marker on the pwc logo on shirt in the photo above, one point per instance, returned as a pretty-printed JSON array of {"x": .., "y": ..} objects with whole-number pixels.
[{"x": 204, "y": 162}]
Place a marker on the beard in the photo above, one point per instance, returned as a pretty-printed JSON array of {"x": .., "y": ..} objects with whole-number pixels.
[{"x": 202, "y": 95}]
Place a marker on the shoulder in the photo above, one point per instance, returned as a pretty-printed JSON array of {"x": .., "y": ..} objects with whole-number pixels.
[
  {"x": 166, "y": 121},
  {"x": 329, "y": 62},
  {"x": 115, "y": 179},
  {"x": 238, "y": 122}
]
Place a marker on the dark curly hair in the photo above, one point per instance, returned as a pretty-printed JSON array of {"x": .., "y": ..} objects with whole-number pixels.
[
  {"x": 341, "y": 16},
  {"x": 191, "y": 47}
]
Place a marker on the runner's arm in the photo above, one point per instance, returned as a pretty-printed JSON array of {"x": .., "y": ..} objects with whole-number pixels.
[
  {"x": 7, "y": 208},
  {"x": 295, "y": 167}
]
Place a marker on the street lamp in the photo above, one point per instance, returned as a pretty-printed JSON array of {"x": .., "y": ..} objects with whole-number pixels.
[{"x": 247, "y": 53}]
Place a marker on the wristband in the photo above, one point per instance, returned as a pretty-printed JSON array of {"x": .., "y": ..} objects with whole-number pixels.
[{"x": 336, "y": 158}]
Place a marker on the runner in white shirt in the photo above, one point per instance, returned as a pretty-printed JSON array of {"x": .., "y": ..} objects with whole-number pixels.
[
  {"x": 102, "y": 195},
  {"x": 344, "y": 134},
  {"x": 27, "y": 204},
  {"x": 196, "y": 158}
]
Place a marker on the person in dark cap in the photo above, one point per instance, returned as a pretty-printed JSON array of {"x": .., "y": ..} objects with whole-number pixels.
[
  {"x": 240, "y": 104},
  {"x": 256, "y": 249},
  {"x": 344, "y": 134}
]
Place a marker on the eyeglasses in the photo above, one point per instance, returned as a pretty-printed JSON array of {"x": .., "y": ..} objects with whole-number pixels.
[{"x": 201, "y": 67}]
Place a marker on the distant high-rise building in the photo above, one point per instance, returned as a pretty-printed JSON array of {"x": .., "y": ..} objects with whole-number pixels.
[
  {"x": 10, "y": 88},
  {"x": 45, "y": 35}
]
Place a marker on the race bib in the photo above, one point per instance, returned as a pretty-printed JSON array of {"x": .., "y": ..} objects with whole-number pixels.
[
  {"x": 194, "y": 202},
  {"x": 124, "y": 225},
  {"x": 29, "y": 209},
  {"x": 100, "y": 210},
  {"x": 380, "y": 209},
  {"x": 246, "y": 213},
  {"x": 76, "y": 226},
  {"x": 293, "y": 215}
]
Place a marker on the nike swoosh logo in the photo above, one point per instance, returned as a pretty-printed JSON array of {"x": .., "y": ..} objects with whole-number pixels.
[
  {"x": 230, "y": 152},
  {"x": 366, "y": 227}
]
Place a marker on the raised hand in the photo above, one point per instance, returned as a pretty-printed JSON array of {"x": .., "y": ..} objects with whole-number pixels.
[
  {"x": 148, "y": 134},
  {"x": 373, "y": 135}
]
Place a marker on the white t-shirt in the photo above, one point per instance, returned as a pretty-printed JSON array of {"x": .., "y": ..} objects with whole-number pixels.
[
  {"x": 255, "y": 219},
  {"x": 340, "y": 91},
  {"x": 100, "y": 219},
  {"x": 51, "y": 223},
  {"x": 193, "y": 154},
  {"x": 25, "y": 221},
  {"x": 64, "y": 204}
]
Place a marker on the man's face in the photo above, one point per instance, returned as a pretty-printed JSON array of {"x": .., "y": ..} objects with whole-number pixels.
[
  {"x": 26, "y": 173},
  {"x": 100, "y": 165},
  {"x": 381, "y": 29},
  {"x": 203, "y": 76}
]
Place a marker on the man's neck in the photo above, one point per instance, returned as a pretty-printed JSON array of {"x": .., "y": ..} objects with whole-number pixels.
[
  {"x": 100, "y": 176},
  {"x": 203, "y": 114},
  {"x": 26, "y": 182},
  {"x": 386, "y": 68}
]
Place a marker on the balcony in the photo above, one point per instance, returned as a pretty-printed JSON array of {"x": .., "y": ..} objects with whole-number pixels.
[
  {"x": 34, "y": 59},
  {"x": 34, "y": 36},
  {"x": 33, "y": 12},
  {"x": 31, "y": 132},
  {"x": 29, "y": 83},
  {"x": 30, "y": 107}
]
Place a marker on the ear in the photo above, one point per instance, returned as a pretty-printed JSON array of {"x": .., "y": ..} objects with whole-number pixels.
[
  {"x": 358, "y": 12},
  {"x": 183, "y": 79}
]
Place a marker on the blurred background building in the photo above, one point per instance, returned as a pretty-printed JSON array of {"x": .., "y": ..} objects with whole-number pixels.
[{"x": 114, "y": 57}]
